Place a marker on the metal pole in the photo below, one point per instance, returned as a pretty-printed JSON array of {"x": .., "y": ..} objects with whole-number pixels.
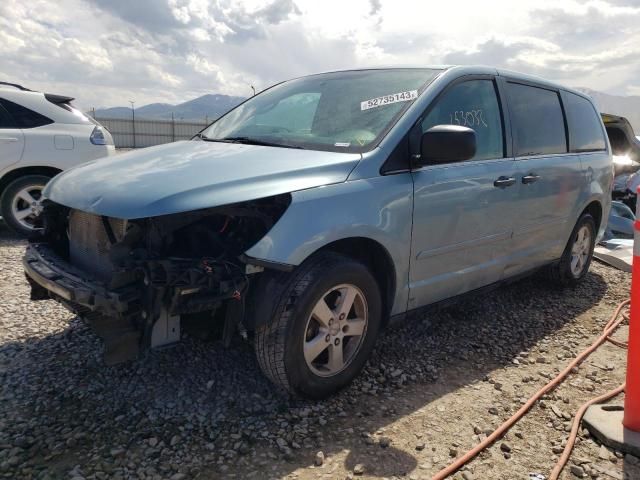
[
  {"x": 133, "y": 121},
  {"x": 173, "y": 128}
]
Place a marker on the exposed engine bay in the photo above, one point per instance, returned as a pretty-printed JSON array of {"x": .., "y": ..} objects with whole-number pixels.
[{"x": 135, "y": 281}]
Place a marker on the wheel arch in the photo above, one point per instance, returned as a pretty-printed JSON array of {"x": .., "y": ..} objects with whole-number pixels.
[
  {"x": 371, "y": 253},
  {"x": 12, "y": 175},
  {"x": 594, "y": 208},
  {"x": 376, "y": 257}
]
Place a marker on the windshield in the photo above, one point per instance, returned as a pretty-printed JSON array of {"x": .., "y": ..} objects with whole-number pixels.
[{"x": 341, "y": 111}]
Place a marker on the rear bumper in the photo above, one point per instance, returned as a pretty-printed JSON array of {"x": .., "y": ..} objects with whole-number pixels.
[{"x": 51, "y": 276}]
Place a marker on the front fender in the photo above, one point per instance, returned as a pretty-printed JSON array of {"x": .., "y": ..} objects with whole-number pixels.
[{"x": 379, "y": 208}]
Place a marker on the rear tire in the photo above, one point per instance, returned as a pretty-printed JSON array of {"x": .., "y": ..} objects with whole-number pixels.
[
  {"x": 22, "y": 197},
  {"x": 576, "y": 258},
  {"x": 311, "y": 347}
]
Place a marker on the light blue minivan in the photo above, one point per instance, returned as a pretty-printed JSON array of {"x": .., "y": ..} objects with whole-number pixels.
[{"x": 323, "y": 208}]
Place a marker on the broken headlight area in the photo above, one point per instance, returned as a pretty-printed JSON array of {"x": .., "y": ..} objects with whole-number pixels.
[{"x": 137, "y": 281}]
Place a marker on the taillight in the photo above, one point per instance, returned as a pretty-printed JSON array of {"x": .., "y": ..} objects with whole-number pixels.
[{"x": 99, "y": 137}]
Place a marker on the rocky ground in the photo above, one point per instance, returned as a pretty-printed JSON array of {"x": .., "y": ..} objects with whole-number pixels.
[{"x": 432, "y": 389}]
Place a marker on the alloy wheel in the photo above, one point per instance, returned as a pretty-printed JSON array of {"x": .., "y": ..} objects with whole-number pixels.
[
  {"x": 580, "y": 250},
  {"x": 335, "y": 330},
  {"x": 27, "y": 205}
]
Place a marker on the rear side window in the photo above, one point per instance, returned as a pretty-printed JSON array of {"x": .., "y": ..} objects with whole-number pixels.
[
  {"x": 538, "y": 122},
  {"x": 23, "y": 117},
  {"x": 585, "y": 130},
  {"x": 472, "y": 104},
  {"x": 5, "y": 119}
]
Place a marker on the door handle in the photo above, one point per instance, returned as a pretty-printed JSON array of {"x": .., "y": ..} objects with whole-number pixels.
[
  {"x": 504, "y": 182},
  {"x": 532, "y": 177},
  {"x": 8, "y": 139}
]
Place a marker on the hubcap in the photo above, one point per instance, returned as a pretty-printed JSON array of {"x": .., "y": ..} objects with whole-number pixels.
[
  {"x": 335, "y": 330},
  {"x": 580, "y": 250},
  {"x": 27, "y": 205}
]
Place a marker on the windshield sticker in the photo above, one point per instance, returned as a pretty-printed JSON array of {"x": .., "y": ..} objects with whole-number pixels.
[
  {"x": 389, "y": 99},
  {"x": 342, "y": 144}
]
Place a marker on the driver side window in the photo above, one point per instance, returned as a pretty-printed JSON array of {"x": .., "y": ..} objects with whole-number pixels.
[{"x": 472, "y": 104}]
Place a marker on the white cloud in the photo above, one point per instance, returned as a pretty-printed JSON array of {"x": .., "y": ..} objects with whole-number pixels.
[{"x": 106, "y": 52}]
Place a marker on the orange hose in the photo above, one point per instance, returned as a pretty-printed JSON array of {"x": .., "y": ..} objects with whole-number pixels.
[
  {"x": 571, "y": 440},
  {"x": 458, "y": 463},
  {"x": 617, "y": 343},
  {"x": 566, "y": 453}
]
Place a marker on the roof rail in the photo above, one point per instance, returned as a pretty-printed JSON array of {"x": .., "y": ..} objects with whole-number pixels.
[{"x": 19, "y": 87}]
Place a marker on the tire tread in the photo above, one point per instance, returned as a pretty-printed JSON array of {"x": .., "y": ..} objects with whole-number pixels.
[{"x": 271, "y": 337}]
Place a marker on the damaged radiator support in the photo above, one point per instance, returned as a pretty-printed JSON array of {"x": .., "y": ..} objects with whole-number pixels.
[
  {"x": 146, "y": 313},
  {"x": 137, "y": 282},
  {"x": 183, "y": 286}
]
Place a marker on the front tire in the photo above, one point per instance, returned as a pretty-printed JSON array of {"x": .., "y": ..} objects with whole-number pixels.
[
  {"x": 576, "y": 258},
  {"x": 323, "y": 326},
  {"x": 20, "y": 203}
]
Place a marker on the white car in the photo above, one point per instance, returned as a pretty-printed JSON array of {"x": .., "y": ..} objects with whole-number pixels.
[{"x": 40, "y": 136}]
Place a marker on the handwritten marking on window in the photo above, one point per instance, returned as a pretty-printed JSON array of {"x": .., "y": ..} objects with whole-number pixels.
[{"x": 471, "y": 118}]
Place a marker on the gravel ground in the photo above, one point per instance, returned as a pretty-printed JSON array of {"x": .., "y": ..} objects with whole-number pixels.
[{"x": 430, "y": 392}]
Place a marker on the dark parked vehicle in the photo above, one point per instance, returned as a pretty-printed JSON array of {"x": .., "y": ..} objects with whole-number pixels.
[{"x": 625, "y": 147}]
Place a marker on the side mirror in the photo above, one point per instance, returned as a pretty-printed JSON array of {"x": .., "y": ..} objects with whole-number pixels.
[{"x": 446, "y": 144}]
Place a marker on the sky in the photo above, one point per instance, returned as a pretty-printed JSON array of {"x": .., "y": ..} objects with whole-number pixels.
[{"x": 107, "y": 52}]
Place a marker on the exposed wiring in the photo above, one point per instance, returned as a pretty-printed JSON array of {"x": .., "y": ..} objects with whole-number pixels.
[
  {"x": 610, "y": 327},
  {"x": 226, "y": 224}
]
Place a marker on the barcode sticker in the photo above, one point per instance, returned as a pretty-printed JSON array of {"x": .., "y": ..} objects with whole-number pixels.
[{"x": 389, "y": 99}]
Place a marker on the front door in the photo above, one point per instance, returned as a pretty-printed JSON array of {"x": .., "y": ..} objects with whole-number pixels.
[{"x": 463, "y": 212}]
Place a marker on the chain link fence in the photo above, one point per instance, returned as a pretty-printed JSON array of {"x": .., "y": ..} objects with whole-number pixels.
[{"x": 128, "y": 133}]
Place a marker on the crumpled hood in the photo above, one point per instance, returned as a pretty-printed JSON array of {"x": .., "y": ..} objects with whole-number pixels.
[{"x": 192, "y": 175}]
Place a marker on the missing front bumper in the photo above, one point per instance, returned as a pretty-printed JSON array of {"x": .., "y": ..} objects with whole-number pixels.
[
  {"x": 145, "y": 312},
  {"x": 47, "y": 272}
]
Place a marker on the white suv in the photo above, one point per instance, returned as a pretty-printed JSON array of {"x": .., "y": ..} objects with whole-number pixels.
[{"x": 40, "y": 135}]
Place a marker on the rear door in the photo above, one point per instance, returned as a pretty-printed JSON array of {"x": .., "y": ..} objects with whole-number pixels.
[
  {"x": 463, "y": 212},
  {"x": 550, "y": 177},
  {"x": 11, "y": 140}
]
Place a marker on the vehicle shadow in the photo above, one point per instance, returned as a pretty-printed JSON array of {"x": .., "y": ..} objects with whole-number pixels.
[
  {"x": 226, "y": 415},
  {"x": 6, "y": 235}
]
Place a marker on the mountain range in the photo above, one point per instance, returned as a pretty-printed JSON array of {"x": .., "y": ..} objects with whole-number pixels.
[
  {"x": 205, "y": 107},
  {"x": 213, "y": 105}
]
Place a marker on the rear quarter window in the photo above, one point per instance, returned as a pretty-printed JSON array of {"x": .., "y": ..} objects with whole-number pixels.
[
  {"x": 5, "y": 119},
  {"x": 24, "y": 117},
  {"x": 537, "y": 119},
  {"x": 585, "y": 129}
]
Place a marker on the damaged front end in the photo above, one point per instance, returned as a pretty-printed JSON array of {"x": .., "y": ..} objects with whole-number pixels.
[{"x": 135, "y": 281}]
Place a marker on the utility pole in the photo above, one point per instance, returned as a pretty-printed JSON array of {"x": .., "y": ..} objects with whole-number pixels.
[
  {"x": 133, "y": 121},
  {"x": 254, "y": 90},
  {"x": 173, "y": 128}
]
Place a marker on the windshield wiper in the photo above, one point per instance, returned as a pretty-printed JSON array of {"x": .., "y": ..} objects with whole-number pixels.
[
  {"x": 255, "y": 141},
  {"x": 201, "y": 136}
]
